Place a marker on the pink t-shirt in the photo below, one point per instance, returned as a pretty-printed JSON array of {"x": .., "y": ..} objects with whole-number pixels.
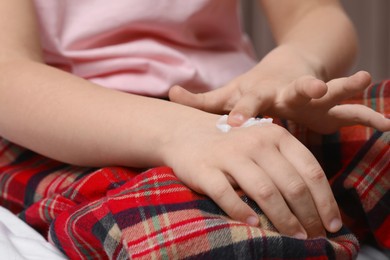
[{"x": 146, "y": 46}]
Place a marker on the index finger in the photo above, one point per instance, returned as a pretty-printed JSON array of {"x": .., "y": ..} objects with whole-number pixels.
[
  {"x": 215, "y": 185},
  {"x": 250, "y": 105},
  {"x": 216, "y": 101}
]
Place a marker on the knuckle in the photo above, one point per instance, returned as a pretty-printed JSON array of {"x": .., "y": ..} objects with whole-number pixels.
[
  {"x": 281, "y": 132},
  {"x": 236, "y": 210},
  {"x": 271, "y": 132},
  {"x": 328, "y": 204},
  {"x": 297, "y": 189},
  {"x": 265, "y": 192},
  {"x": 219, "y": 192},
  {"x": 202, "y": 100},
  {"x": 368, "y": 121},
  {"x": 316, "y": 175},
  {"x": 290, "y": 223},
  {"x": 311, "y": 223}
]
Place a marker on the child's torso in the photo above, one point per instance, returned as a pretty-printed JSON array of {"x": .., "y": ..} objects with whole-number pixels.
[{"x": 145, "y": 46}]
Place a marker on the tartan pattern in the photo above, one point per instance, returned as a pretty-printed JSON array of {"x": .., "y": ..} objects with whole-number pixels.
[
  {"x": 367, "y": 180},
  {"x": 154, "y": 216},
  {"x": 120, "y": 213}
]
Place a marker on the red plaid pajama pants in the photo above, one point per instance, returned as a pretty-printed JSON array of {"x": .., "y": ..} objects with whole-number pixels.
[{"x": 120, "y": 213}]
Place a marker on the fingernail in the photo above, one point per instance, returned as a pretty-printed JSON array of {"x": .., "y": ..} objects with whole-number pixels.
[
  {"x": 238, "y": 116},
  {"x": 335, "y": 225},
  {"x": 300, "y": 235},
  {"x": 252, "y": 221},
  {"x": 236, "y": 119}
]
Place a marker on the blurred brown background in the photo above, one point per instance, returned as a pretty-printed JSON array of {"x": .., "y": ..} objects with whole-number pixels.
[{"x": 372, "y": 21}]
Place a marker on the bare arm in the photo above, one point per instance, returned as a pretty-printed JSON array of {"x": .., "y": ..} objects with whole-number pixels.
[
  {"x": 318, "y": 30},
  {"x": 43, "y": 108},
  {"x": 297, "y": 80},
  {"x": 72, "y": 120}
]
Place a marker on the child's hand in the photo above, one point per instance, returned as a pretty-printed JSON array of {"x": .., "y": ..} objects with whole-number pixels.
[
  {"x": 305, "y": 100},
  {"x": 267, "y": 163}
]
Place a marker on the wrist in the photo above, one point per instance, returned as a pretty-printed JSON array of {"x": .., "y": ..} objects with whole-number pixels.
[
  {"x": 194, "y": 128},
  {"x": 290, "y": 62},
  {"x": 309, "y": 62}
]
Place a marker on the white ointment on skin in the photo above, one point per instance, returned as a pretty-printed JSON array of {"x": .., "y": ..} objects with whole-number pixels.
[{"x": 224, "y": 127}]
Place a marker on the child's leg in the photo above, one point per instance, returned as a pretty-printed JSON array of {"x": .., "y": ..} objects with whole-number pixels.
[{"x": 116, "y": 212}]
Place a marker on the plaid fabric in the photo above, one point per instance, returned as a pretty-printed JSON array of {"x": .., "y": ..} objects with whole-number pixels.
[{"x": 121, "y": 213}]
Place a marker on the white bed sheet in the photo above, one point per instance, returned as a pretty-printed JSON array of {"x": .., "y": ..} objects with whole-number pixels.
[{"x": 20, "y": 241}]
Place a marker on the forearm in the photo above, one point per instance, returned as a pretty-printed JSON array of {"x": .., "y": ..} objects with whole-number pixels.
[
  {"x": 321, "y": 38},
  {"x": 72, "y": 120}
]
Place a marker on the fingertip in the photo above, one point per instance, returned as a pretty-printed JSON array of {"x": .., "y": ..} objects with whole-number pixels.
[
  {"x": 317, "y": 88},
  {"x": 305, "y": 89},
  {"x": 366, "y": 76},
  {"x": 243, "y": 213},
  {"x": 236, "y": 119},
  {"x": 175, "y": 92},
  {"x": 230, "y": 202},
  {"x": 335, "y": 225},
  {"x": 384, "y": 124},
  {"x": 300, "y": 235},
  {"x": 182, "y": 96},
  {"x": 360, "y": 80},
  {"x": 253, "y": 220}
]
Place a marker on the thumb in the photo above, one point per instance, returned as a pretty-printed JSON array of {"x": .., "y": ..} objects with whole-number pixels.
[{"x": 215, "y": 101}]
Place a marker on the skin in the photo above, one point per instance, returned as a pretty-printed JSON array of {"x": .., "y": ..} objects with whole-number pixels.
[
  {"x": 296, "y": 85},
  {"x": 43, "y": 108}
]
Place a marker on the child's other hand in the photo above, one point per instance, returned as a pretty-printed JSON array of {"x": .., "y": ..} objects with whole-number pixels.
[
  {"x": 267, "y": 163},
  {"x": 306, "y": 100}
]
